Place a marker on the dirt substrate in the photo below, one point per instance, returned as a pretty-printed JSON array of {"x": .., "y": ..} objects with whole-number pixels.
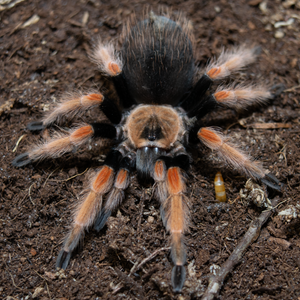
[{"x": 47, "y": 56}]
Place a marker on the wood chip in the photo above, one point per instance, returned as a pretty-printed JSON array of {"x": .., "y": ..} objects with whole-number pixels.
[
  {"x": 265, "y": 125},
  {"x": 269, "y": 125},
  {"x": 33, "y": 252},
  {"x": 34, "y": 19},
  {"x": 37, "y": 292},
  {"x": 283, "y": 243},
  {"x": 7, "y": 105}
]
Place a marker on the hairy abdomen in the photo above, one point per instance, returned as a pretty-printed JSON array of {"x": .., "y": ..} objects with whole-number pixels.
[{"x": 158, "y": 61}]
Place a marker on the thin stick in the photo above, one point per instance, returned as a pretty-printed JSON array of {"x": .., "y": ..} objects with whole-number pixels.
[
  {"x": 76, "y": 175},
  {"x": 18, "y": 142},
  {"x": 216, "y": 281},
  {"x": 30, "y": 195},
  {"x": 49, "y": 177},
  {"x": 135, "y": 268},
  {"x": 292, "y": 88}
]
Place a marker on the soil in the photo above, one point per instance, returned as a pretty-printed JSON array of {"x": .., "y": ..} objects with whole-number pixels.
[{"x": 46, "y": 57}]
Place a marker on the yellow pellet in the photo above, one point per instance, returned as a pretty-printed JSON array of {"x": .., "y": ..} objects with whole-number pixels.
[{"x": 220, "y": 188}]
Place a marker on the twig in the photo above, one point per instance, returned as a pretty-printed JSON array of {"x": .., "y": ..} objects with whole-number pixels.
[
  {"x": 49, "y": 177},
  {"x": 137, "y": 267},
  {"x": 76, "y": 175},
  {"x": 269, "y": 125},
  {"x": 18, "y": 142},
  {"x": 292, "y": 88},
  {"x": 45, "y": 283},
  {"x": 117, "y": 288},
  {"x": 48, "y": 291},
  {"x": 216, "y": 281},
  {"x": 30, "y": 195},
  {"x": 12, "y": 278}
]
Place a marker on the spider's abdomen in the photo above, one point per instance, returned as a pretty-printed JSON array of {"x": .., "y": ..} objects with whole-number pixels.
[{"x": 158, "y": 61}]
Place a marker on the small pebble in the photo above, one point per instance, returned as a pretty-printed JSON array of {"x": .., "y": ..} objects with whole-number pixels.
[
  {"x": 150, "y": 219},
  {"x": 263, "y": 7},
  {"x": 279, "y": 34},
  {"x": 217, "y": 9}
]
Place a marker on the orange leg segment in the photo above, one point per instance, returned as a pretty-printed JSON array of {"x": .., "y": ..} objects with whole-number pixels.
[
  {"x": 176, "y": 220},
  {"x": 72, "y": 105},
  {"x": 230, "y": 154},
  {"x": 114, "y": 199},
  {"x": 106, "y": 58},
  {"x": 230, "y": 61},
  {"x": 86, "y": 213},
  {"x": 242, "y": 96},
  {"x": 62, "y": 144}
]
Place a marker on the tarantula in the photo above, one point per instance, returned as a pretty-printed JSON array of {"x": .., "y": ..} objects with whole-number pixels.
[{"x": 162, "y": 105}]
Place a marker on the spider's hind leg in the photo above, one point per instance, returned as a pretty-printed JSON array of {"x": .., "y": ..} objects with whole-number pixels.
[
  {"x": 236, "y": 158},
  {"x": 109, "y": 62}
]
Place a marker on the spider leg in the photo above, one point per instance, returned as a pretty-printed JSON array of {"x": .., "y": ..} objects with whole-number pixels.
[
  {"x": 116, "y": 195},
  {"x": 236, "y": 97},
  {"x": 65, "y": 143},
  {"x": 231, "y": 61},
  {"x": 241, "y": 96},
  {"x": 169, "y": 177},
  {"x": 228, "y": 62},
  {"x": 87, "y": 210},
  {"x": 105, "y": 56},
  {"x": 72, "y": 105},
  {"x": 195, "y": 98},
  {"x": 235, "y": 157}
]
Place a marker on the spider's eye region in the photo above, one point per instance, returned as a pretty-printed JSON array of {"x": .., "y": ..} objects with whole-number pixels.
[{"x": 152, "y": 133}]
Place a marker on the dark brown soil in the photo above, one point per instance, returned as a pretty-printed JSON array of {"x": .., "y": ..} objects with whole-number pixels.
[{"x": 49, "y": 57}]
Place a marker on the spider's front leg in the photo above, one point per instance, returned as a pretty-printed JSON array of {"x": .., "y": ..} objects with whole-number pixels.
[
  {"x": 169, "y": 176},
  {"x": 88, "y": 209},
  {"x": 73, "y": 104},
  {"x": 65, "y": 143},
  {"x": 236, "y": 158},
  {"x": 116, "y": 195}
]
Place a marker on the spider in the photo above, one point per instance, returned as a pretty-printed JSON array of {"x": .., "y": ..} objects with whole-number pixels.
[{"x": 162, "y": 107}]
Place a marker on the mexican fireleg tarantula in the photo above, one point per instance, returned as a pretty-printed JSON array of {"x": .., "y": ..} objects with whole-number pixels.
[{"x": 154, "y": 79}]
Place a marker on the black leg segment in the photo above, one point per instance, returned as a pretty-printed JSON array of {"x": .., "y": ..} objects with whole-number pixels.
[
  {"x": 111, "y": 110},
  {"x": 104, "y": 130},
  {"x": 122, "y": 90},
  {"x": 197, "y": 93}
]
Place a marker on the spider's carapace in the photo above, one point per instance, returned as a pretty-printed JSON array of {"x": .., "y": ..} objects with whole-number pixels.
[{"x": 162, "y": 105}]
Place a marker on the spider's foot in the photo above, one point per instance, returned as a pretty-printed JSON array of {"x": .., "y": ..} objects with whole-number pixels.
[
  {"x": 178, "y": 278},
  {"x": 36, "y": 126},
  {"x": 22, "y": 160},
  {"x": 271, "y": 181},
  {"x": 101, "y": 220},
  {"x": 63, "y": 259}
]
